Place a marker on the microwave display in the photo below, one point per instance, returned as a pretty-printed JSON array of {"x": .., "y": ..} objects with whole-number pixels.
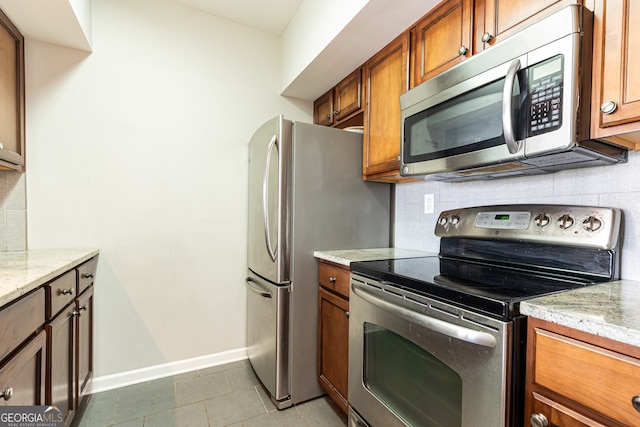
[{"x": 545, "y": 94}]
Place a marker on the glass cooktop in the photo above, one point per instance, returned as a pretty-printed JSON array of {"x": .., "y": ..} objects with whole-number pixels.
[{"x": 478, "y": 286}]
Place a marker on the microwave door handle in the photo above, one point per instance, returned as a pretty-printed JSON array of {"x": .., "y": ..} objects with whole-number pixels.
[
  {"x": 449, "y": 329},
  {"x": 273, "y": 252},
  {"x": 507, "y": 118}
]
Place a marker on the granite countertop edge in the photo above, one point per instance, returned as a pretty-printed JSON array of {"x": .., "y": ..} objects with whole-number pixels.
[
  {"x": 23, "y": 271},
  {"x": 347, "y": 256},
  {"x": 610, "y": 310}
]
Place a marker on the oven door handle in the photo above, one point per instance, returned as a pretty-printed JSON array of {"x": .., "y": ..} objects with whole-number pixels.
[{"x": 449, "y": 329}]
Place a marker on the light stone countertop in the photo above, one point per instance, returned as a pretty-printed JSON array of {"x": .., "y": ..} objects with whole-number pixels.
[
  {"x": 24, "y": 271},
  {"x": 610, "y": 310},
  {"x": 347, "y": 256}
]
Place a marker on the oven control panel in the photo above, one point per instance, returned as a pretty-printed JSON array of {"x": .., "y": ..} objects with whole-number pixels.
[{"x": 587, "y": 226}]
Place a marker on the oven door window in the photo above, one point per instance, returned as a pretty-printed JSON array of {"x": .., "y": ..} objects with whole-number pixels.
[
  {"x": 414, "y": 384},
  {"x": 467, "y": 123}
]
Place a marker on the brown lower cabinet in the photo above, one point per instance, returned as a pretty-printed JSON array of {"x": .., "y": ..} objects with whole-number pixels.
[
  {"x": 576, "y": 379},
  {"x": 70, "y": 341},
  {"x": 60, "y": 366},
  {"x": 22, "y": 376},
  {"x": 46, "y": 343},
  {"x": 333, "y": 331}
]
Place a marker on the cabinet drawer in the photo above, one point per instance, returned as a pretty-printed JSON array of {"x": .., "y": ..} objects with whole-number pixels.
[
  {"x": 86, "y": 273},
  {"x": 594, "y": 377},
  {"x": 19, "y": 320},
  {"x": 60, "y": 292},
  {"x": 334, "y": 278}
]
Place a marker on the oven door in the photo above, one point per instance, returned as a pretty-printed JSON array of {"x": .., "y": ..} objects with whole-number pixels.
[{"x": 414, "y": 361}]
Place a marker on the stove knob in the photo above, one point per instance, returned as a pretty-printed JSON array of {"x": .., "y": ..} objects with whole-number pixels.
[
  {"x": 454, "y": 220},
  {"x": 541, "y": 220},
  {"x": 442, "y": 221},
  {"x": 592, "y": 224},
  {"x": 565, "y": 222}
]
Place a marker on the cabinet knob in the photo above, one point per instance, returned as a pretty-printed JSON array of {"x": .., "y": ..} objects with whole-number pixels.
[
  {"x": 87, "y": 275},
  {"x": 7, "y": 393},
  {"x": 608, "y": 107},
  {"x": 487, "y": 37},
  {"x": 346, "y": 314},
  {"x": 538, "y": 420},
  {"x": 335, "y": 113},
  {"x": 332, "y": 280},
  {"x": 328, "y": 116},
  {"x": 463, "y": 50},
  {"x": 635, "y": 401},
  {"x": 77, "y": 313},
  {"x": 1, "y": 146},
  {"x": 66, "y": 291}
]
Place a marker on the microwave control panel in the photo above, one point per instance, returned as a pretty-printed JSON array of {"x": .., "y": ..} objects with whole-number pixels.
[{"x": 545, "y": 95}]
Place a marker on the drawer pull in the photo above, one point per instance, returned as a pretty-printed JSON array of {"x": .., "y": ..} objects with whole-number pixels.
[
  {"x": 66, "y": 291},
  {"x": 538, "y": 420},
  {"x": 87, "y": 275},
  {"x": 7, "y": 393},
  {"x": 635, "y": 401},
  {"x": 332, "y": 280}
]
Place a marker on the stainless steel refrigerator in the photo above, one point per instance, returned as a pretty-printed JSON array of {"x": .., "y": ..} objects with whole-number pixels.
[{"x": 306, "y": 193}]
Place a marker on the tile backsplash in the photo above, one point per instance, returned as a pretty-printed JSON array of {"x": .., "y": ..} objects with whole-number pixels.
[
  {"x": 611, "y": 186},
  {"x": 13, "y": 211}
]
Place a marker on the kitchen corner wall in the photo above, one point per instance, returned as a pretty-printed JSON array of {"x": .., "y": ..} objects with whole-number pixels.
[
  {"x": 13, "y": 211},
  {"x": 611, "y": 186},
  {"x": 140, "y": 149}
]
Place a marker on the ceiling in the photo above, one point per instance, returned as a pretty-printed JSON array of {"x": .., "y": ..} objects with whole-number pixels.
[{"x": 271, "y": 16}]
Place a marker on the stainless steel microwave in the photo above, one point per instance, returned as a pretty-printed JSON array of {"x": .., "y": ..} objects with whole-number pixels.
[{"x": 521, "y": 107}]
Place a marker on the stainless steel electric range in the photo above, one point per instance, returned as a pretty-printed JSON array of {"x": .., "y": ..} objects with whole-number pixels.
[{"x": 440, "y": 341}]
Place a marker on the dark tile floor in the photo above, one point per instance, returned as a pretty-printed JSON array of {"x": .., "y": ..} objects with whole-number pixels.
[{"x": 227, "y": 395}]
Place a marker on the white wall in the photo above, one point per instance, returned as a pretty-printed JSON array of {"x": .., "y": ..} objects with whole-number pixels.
[
  {"x": 140, "y": 149},
  {"x": 613, "y": 186}
]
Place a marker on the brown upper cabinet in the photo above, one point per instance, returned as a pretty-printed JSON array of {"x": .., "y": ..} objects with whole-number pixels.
[
  {"x": 441, "y": 39},
  {"x": 456, "y": 29},
  {"x": 386, "y": 77},
  {"x": 11, "y": 96},
  {"x": 341, "y": 103},
  {"x": 615, "y": 103}
]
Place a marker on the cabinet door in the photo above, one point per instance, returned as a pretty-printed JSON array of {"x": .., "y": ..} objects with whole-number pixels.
[
  {"x": 386, "y": 77},
  {"x": 616, "y": 60},
  {"x": 441, "y": 39},
  {"x": 323, "y": 109},
  {"x": 496, "y": 19},
  {"x": 84, "y": 343},
  {"x": 11, "y": 95},
  {"x": 333, "y": 346},
  {"x": 60, "y": 361},
  {"x": 22, "y": 378},
  {"x": 348, "y": 96}
]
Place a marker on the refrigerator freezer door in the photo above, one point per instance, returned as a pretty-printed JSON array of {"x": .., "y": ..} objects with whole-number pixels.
[
  {"x": 269, "y": 204},
  {"x": 267, "y": 335}
]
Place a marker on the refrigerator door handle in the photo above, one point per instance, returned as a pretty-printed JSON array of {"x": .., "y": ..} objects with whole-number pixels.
[
  {"x": 257, "y": 290},
  {"x": 273, "y": 252}
]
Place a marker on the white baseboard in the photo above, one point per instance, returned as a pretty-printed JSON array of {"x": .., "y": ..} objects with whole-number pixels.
[{"x": 122, "y": 379}]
